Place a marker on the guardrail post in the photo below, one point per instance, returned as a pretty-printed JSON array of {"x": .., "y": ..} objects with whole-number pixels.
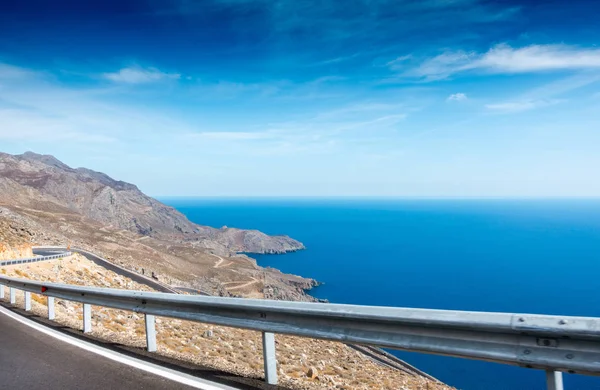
[
  {"x": 150, "y": 333},
  {"x": 27, "y": 301},
  {"x": 554, "y": 380},
  {"x": 51, "y": 315},
  {"x": 1, "y": 291},
  {"x": 269, "y": 358},
  {"x": 11, "y": 293},
  {"x": 87, "y": 318}
]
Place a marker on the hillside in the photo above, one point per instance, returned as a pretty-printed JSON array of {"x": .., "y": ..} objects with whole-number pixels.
[
  {"x": 43, "y": 182},
  {"x": 52, "y": 203}
]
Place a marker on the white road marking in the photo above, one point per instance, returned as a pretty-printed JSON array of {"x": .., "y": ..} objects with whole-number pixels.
[{"x": 173, "y": 375}]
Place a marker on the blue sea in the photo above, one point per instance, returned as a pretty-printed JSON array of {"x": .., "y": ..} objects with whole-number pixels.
[{"x": 530, "y": 256}]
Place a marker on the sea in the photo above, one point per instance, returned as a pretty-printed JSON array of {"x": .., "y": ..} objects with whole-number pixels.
[{"x": 525, "y": 256}]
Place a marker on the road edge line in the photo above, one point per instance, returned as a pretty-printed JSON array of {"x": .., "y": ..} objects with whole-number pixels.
[{"x": 152, "y": 368}]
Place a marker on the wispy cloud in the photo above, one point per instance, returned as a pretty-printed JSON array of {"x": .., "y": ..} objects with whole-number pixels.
[
  {"x": 504, "y": 59},
  {"x": 13, "y": 72},
  {"x": 35, "y": 107},
  {"x": 371, "y": 25},
  {"x": 337, "y": 59},
  {"x": 139, "y": 75},
  {"x": 399, "y": 62},
  {"x": 520, "y": 106},
  {"x": 231, "y": 135},
  {"x": 358, "y": 109},
  {"x": 457, "y": 97},
  {"x": 552, "y": 93}
]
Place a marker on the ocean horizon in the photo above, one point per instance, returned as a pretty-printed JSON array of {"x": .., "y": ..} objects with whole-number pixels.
[{"x": 488, "y": 254}]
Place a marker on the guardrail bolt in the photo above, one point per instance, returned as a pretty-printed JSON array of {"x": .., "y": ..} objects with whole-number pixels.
[
  {"x": 570, "y": 356},
  {"x": 527, "y": 352},
  {"x": 563, "y": 322},
  {"x": 521, "y": 319}
]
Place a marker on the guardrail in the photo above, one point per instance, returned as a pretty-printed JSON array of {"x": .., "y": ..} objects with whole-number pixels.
[
  {"x": 35, "y": 259},
  {"x": 551, "y": 343}
]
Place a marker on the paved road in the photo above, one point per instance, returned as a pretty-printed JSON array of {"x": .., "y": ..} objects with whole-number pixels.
[{"x": 32, "y": 360}]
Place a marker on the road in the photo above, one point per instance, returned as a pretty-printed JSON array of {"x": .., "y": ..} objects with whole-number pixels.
[{"x": 30, "y": 359}]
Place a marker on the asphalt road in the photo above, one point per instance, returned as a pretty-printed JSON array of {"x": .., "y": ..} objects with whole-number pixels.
[{"x": 32, "y": 360}]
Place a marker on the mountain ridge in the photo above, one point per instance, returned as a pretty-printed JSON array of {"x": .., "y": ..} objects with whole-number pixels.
[{"x": 32, "y": 179}]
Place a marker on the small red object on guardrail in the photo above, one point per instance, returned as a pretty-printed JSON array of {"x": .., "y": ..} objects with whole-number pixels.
[{"x": 44, "y": 289}]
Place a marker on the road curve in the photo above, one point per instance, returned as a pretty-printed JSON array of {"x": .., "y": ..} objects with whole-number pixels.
[
  {"x": 41, "y": 255},
  {"x": 155, "y": 284},
  {"x": 31, "y": 360}
]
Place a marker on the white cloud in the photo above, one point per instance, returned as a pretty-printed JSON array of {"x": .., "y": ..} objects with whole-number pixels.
[
  {"x": 522, "y": 105},
  {"x": 506, "y": 59},
  {"x": 457, "y": 97},
  {"x": 139, "y": 75}
]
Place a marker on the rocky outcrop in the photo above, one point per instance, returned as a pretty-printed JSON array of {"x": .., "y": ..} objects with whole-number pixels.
[
  {"x": 254, "y": 241},
  {"x": 45, "y": 183},
  {"x": 15, "y": 241}
]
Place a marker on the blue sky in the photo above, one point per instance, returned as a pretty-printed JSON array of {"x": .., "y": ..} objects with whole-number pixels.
[{"x": 437, "y": 98}]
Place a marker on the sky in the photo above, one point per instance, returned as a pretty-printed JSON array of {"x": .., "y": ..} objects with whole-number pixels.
[{"x": 407, "y": 98}]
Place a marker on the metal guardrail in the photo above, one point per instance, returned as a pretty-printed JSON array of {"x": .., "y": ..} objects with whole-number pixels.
[
  {"x": 142, "y": 279},
  {"x": 551, "y": 343},
  {"x": 35, "y": 259}
]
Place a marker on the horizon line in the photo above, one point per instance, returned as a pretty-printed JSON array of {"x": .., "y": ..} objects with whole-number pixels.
[{"x": 382, "y": 197}]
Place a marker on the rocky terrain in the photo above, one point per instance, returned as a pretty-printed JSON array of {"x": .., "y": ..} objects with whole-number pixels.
[
  {"x": 51, "y": 203},
  {"x": 14, "y": 241},
  {"x": 302, "y": 363},
  {"x": 43, "y": 182}
]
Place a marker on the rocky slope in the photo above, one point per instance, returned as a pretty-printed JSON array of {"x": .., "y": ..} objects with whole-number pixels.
[
  {"x": 53, "y": 204},
  {"x": 15, "y": 242},
  {"x": 43, "y": 182}
]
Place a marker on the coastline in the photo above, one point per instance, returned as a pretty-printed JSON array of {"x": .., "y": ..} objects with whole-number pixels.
[{"x": 300, "y": 286}]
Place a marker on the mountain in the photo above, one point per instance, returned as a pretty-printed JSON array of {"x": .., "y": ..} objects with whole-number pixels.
[
  {"x": 44, "y": 183},
  {"x": 45, "y": 202}
]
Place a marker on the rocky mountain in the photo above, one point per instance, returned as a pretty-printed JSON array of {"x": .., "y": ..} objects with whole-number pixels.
[{"x": 41, "y": 182}]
